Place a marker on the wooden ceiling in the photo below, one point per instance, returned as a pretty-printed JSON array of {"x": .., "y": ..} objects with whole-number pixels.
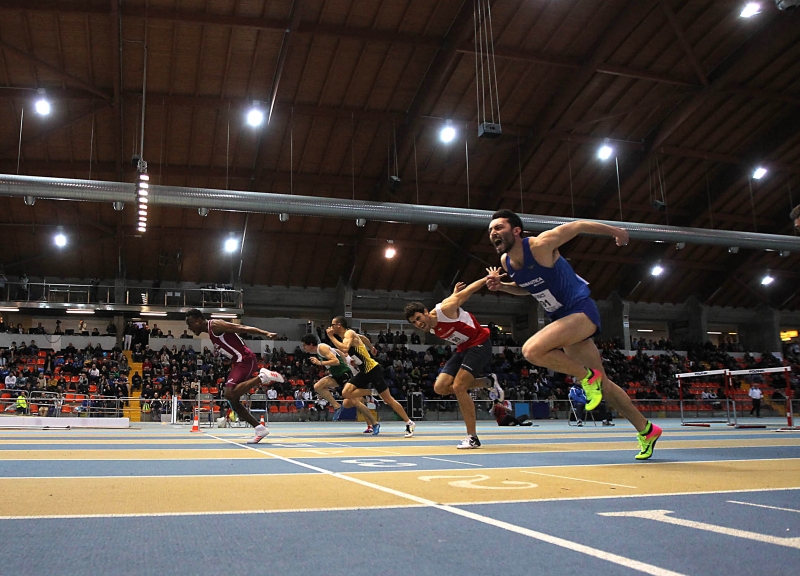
[{"x": 690, "y": 96}]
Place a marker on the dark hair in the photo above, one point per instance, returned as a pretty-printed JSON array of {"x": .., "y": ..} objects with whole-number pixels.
[
  {"x": 341, "y": 320},
  {"x": 412, "y": 308},
  {"x": 795, "y": 214},
  {"x": 512, "y": 217},
  {"x": 309, "y": 340},
  {"x": 196, "y": 314}
]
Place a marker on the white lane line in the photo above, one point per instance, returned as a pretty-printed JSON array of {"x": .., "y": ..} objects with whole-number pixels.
[
  {"x": 567, "y": 544},
  {"x": 664, "y": 516},
  {"x": 337, "y": 444},
  {"x": 209, "y": 513},
  {"x": 453, "y": 461},
  {"x": 763, "y": 506},
  {"x": 577, "y": 479}
]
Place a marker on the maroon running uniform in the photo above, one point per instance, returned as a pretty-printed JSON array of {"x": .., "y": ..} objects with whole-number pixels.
[
  {"x": 244, "y": 362},
  {"x": 465, "y": 332}
]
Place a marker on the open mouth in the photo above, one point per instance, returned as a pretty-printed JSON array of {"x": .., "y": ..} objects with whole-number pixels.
[{"x": 497, "y": 241}]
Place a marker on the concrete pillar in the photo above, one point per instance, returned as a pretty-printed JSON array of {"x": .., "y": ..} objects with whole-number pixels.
[
  {"x": 119, "y": 322},
  {"x": 343, "y": 304},
  {"x": 763, "y": 332},
  {"x": 615, "y": 319},
  {"x": 692, "y": 327}
]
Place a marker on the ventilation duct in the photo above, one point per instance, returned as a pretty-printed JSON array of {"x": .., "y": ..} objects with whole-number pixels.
[{"x": 262, "y": 202}]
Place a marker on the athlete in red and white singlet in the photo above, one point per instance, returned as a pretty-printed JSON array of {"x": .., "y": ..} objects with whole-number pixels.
[
  {"x": 225, "y": 337},
  {"x": 463, "y": 371},
  {"x": 464, "y": 331}
]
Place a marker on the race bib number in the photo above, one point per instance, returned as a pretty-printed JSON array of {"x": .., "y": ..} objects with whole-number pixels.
[
  {"x": 457, "y": 338},
  {"x": 547, "y": 300}
]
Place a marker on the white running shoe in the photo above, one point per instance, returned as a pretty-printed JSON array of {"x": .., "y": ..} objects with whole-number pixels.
[
  {"x": 261, "y": 433},
  {"x": 496, "y": 393},
  {"x": 269, "y": 376},
  {"x": 469, "y": 443},
  {"x": 410, "y": 429}
]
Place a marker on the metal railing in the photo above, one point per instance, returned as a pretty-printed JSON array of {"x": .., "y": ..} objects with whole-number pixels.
[{"x": 60, "y": 293}]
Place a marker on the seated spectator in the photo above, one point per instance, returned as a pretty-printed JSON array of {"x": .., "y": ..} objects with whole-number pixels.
[{"x": 504, "y": 417}]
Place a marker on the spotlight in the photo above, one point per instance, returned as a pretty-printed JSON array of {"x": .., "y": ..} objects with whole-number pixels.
[
  {"x": 142, "y": 199},
  {"x": 29, "y": 200},
  {"x": 680, "y": 245},
  {"x": 447, "y": 134},
  {"x": 605, "y": 152},
  {"x": 361, "y": 222},
  {"x": 119, "y": 206},
  {"x": 144, "y": 177},
  {"x": 750, "y": 9},
  {"x": 231, "y": 244},
  {"x": 733, "y": 250},
  {"x": 656, "y": 270},
  {"x": 390, "y": 251},
  {"x": 759, "y": 173},
  {"x": 42, "y": 106},
  {"x": 767, "y": 280},
  {"x": 60, "y": 240},
  {"x": 255, "y": 117},
  {"x": 433, "y": 227},
  {"x": 203, "y": 212},
  {"x": 283, "y": 217},
  {"x": 143, "y": 210},
  {"x": 784, "y": 253},
  {"x": 142, "y": 229}
]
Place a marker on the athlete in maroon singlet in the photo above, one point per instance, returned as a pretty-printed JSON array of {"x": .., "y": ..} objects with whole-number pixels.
[{"x": 225, "y": 338}]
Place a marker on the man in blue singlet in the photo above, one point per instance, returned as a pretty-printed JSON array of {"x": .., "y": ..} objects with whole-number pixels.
[{"x": 565, "y": 345}]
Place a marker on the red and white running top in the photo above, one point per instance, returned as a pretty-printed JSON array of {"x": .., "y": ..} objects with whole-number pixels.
[
  {"x": 464, "y": 331},
  {"x": 230, "y": 344}
]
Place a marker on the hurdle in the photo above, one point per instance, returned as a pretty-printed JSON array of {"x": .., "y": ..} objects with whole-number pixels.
[
  {"x": 754, "y": 371},
  {"x": 726, "y": 385},
  {"x": 787, "y": 370}
]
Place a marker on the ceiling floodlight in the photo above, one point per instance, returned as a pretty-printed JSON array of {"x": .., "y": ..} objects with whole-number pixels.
[
  {"x": 605, "y": 152},
  {"x": 42, "y": 106},
  {"x": 767, "y": 279},
  {"x": 60, "y": 240},
  {"x": 759, "y": 173},
  {"x": 656, "y": 270},
  {"x": 142, "y": 229},
  {"x": 142, "y": 212},
  {"x": 144, "y": 177},
  {"x": 255, "y": 117},
  {"x": 390, "y": 251},
  {"x": 142, "y": 199},
  {"x": 283, "y": 217},
  {"x": 750, "y": 9},
  {"x": 231, "y": 244},
  {"x": 447, "y": 134},
  {"x": 361, "y": 222},
  {"x": 733, "y": 250},
  {"x": 433, "y": 227}
]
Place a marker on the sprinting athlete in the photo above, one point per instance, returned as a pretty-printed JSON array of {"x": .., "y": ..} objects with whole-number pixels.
[
  {"x": 462, "y": 371},
  {"x": 225, "y": 338},
  {"x": 339, "y": 370},
  {"x": 370, "y": 373},
  {"x": 565, "y": 345}
]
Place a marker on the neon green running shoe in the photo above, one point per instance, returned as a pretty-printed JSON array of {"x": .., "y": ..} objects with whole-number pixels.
[
  {"x": 647, "y": 442},
  {"x": 591, "y": 387}
]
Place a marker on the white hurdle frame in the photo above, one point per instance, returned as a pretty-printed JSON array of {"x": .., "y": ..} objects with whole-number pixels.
[
  {"x": 708, "y": 423},
  {"x": 786, "y": 370}
]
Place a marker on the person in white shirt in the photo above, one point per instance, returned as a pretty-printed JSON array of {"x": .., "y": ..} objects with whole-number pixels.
[
  {"x": 756, "y": 395},
  {"x": 11, "y": 380}
]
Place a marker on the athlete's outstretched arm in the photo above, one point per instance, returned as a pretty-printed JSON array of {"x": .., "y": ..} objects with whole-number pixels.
[
  {"x": 222, "y": 327},
  {"x": 562, "y": 234},
  {"x": 494, "y": 283},
  {"x": 461, "y": 294}
]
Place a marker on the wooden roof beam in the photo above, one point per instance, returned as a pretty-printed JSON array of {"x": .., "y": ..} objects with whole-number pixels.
[
  {"x": 687, "y": 48},
  {"x": 55, "y": 70}
]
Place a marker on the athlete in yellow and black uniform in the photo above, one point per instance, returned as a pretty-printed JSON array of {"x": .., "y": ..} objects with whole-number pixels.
[{"x": 370, "y": 372}]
